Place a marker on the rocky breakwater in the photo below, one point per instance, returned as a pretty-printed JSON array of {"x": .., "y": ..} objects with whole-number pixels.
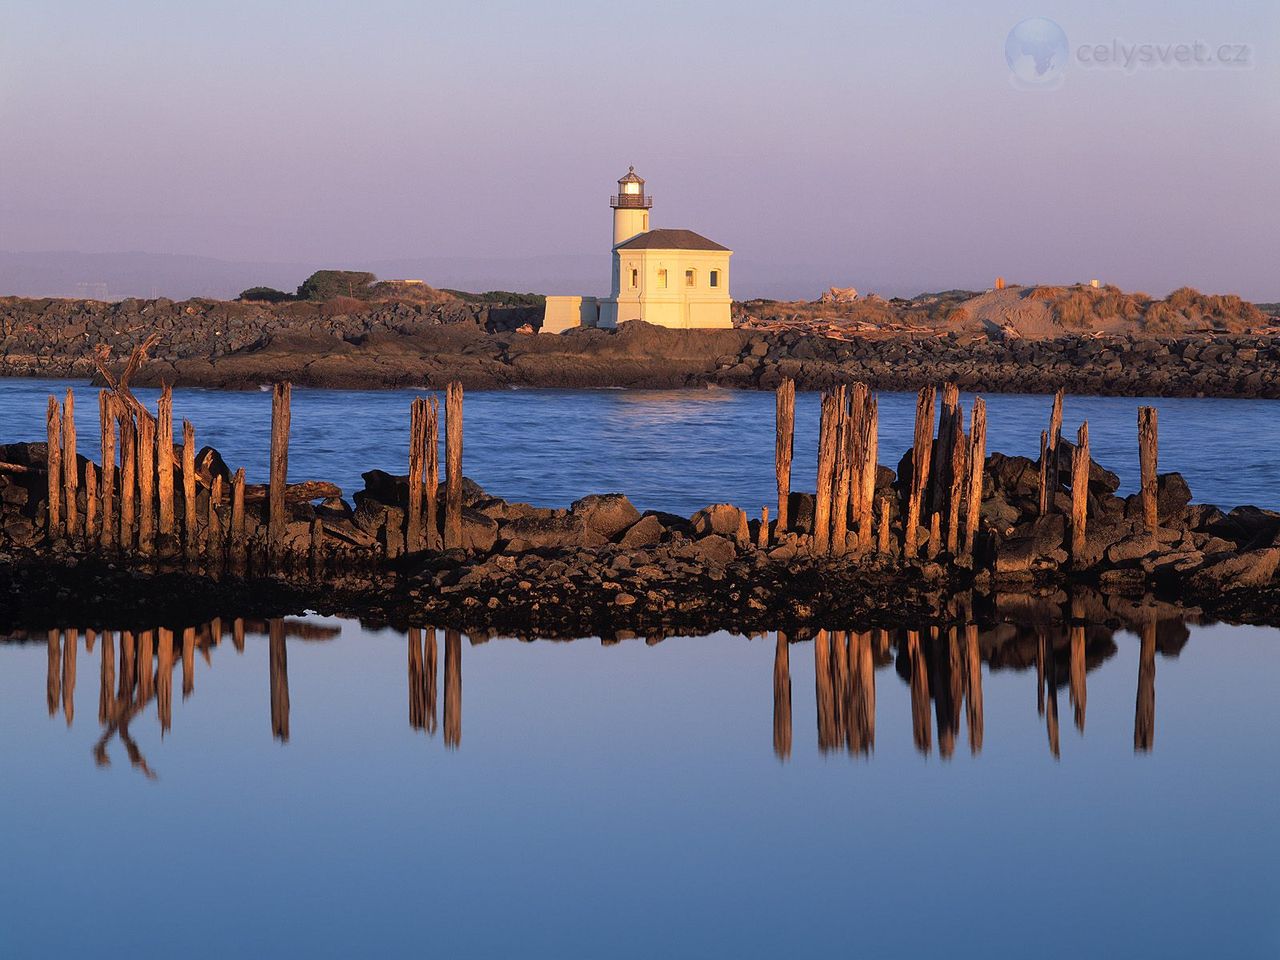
[
  {"x": 356, "y": 343},
  {"x": 600, "y": 564}
]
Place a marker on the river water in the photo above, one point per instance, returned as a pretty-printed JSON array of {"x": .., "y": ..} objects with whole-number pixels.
[
  {"x": 674, "y": 450},
  {"x": 316, "y": 787},
  {"x": 315, "y": 794}
]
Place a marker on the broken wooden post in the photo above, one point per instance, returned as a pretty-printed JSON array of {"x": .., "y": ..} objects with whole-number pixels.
[
  {"x": 828, "y": 436},
  {"x": 882, "y": 541},
  {"x": 935, "y": 536},
  {"x": 70, "y": 466},
  {"x": 90, "y": 502},
  {"x": 1050, "y": 465},
  {"x": 128, "y": 477},
  {"x": 214, "y": 538},
  {"x": 164, "y": 466},
  {"x": 784, "y": 447},
  {"x": 1079, "y": 491},
  {"x": 432, "y": 444},
  {"x": 1148, "y": 448},
  {"x": 417, "y": 450},
  {"x": 762, "y": 535},
  {"x": 869, "y": 445},
  {"x": 959, "y": 463},
  {"x": 453, "y": 466},
  {"x": 850, "y": 409},
  {"x": 977, "y": 466},
  {"x": 146, "y": 485},
  {"x": 277, "y": 519},
  {"x": 920, "y": 453},
  {"x": 238, "y": 540},
  {"x": 948, "y": 426},
  {"x": 53, "y": 466},
  {"x": 190, "y": 522},
  {"x": 107, "y": 423}
]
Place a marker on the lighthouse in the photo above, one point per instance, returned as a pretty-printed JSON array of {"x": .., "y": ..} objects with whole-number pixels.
[{"x": 670, "y": 278}]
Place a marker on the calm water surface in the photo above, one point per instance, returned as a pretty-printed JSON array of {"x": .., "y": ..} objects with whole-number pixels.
[
  {"x": 335, "y": 791},
  {"x": 674, "y": 450}
]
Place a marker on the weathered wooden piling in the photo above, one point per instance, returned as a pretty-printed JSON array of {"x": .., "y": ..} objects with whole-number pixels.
[
  {"x": 70, "y": 466},
  {"x": 107, "y": 425},
  {"x": 948, "y": 427},
  {"x": 762, "y": 535},
  {"x": 920, "y": 453},
  {"x": 828, "y": 439},
  {"x": 850, "y": 409},
  {"x": 432, "y": 445},
  {"x": 957, "y": 474},
  {"x": 453, "y": 466},
  {"x": 90, "y": 502},
  {"x": 784, "y": 447},
  {"x": 1148, "y": 449},
  {"x": 882, "y": 539},
  {"x": 164, "y": 466},
  {"x": 190, "y": 520},
  {"x": 1079, "y": 490},
  {"x": 277, "y": 519},
  {"x": 869, "y": 444},
  {"x": 215, "y": 538},
  {"x": 146, "y": 485},
  {"x": 935, "y": 536},
  {"x": 128, "y": 478},
  {"x": 977, "y": 467},
  {"x": 53, "y": 465},
  {"x": 239, "y": 542},
  {"x": 417, "y": 467},
  {"x": 1050, "y": 461}
]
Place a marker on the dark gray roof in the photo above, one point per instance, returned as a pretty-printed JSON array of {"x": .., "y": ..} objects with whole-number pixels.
[{"x": 670, "y": 240}]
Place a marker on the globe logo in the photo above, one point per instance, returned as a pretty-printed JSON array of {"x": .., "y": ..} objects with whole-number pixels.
[{"x": 1036, "y": 51}]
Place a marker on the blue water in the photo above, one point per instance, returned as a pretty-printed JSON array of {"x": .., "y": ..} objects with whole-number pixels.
[
  {"x": 627, "y": 801},
  {"x": 675, "y": 450}
]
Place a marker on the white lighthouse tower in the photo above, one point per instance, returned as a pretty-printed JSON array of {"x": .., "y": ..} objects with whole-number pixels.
[{"x": 630, "y": 208}]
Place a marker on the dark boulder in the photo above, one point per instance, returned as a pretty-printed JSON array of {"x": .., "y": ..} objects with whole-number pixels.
[{"x": 608, "y": 514}]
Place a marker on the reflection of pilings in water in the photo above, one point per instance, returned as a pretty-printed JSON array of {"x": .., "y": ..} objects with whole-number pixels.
[
  {"x": 188, "y": 662},
  {"x": 1040, "y": 674},
  {"x": 128, "y": 667},
  {"x": 164, "y": 678},
  {"x": 1049, "y": 662},
  {"x": 948, "y": 687},
  {"x": 145, "y": 664},
  {"x": 279, "y": 669},
  {"x": 69, "y": 638},
  {"x": 1144, "y": 718},
  {"x": 860, "y": 714},
  {"x": 237, "y": 634},
  {"x": 429, "y": 666},
  {"x": 452, "y": 688},
  {"x": 107, "y": 684},
  {"x": 417, "y": 682},
  {"x": 782, "y": 698},
  {"x": 973, "y": 687},
  {"x": 53, "y": 680},
  {"x": 824, "y": 696},
  {"x": 1077, "y": 679},
  {"x": 921, "y": 728}
]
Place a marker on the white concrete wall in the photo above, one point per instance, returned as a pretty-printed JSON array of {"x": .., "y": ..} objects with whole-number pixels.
[{"x": 569, "y": 313}]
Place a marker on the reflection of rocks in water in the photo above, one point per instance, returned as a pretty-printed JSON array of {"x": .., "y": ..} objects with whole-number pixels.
[{"x": 782, "y": 698}]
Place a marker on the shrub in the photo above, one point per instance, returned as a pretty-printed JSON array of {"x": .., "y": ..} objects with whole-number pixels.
[
  {"x": 265, "y": 295},
  {"x": 327, "y": 284}
]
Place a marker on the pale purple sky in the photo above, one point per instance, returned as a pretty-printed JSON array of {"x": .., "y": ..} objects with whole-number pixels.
[{"x": 880, "y": 145}]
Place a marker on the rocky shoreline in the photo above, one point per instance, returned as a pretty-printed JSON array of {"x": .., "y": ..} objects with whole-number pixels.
[{"x": 391, "y": 345}]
